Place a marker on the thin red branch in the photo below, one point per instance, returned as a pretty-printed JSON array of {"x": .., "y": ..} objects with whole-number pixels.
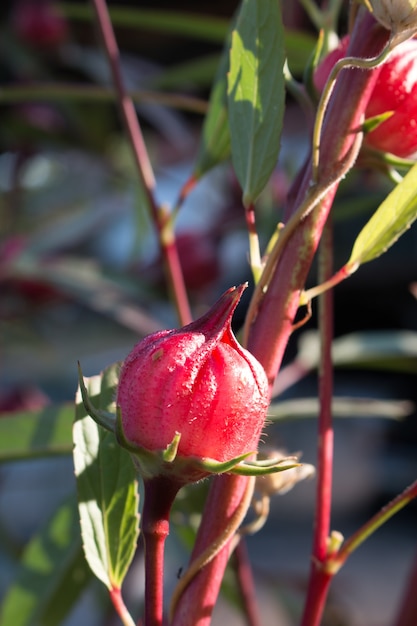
[
  {"x": 325, "y": 443},
  {"x": 319, "y": 580},
  {"x": 246, "y": 583},
  {"x": 143, "y": 164}
]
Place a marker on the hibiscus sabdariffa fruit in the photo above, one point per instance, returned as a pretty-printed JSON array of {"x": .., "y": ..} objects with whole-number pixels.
[
  {"x": 394, "y": 94},
  {"x": 195, "y": 393},
  {"x": 191, "y": 402}
]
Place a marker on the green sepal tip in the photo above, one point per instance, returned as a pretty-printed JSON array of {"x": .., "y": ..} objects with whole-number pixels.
[
  {"x": 170, "y": 452},
  {"x": 102, "y": 418},
  {"x": 373, "y": 122},
  {"x": 261, "y": 468},
  {"x": 220, "y": 467}
]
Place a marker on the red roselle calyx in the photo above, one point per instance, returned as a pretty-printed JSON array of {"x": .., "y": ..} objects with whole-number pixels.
[
  {"x": 395, "y": 91},
  {"x": 193, "y": 392}
]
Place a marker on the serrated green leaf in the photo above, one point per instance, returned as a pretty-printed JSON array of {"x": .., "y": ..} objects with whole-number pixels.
[
  {"x": 256, "y": 92},
  {"x": 34, "y": 434},
  {"x": 51, "y": 575},
  {"x": 107, "y": 488},
  {"x": 394, "y": 216}
]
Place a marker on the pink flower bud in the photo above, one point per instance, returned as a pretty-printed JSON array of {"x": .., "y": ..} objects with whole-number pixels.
[
  {"x": 196, "y": 381},
  {"x": 395, "y": 91}
]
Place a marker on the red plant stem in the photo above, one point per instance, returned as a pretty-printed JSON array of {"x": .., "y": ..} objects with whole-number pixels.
[
  {"x": 246, "y": 584},
  {"x": 272, "y": 325},
  {"x": 143, "y": 164},
  {"x": 120, "y": 607},
  {"x": 319, "y": 579},
  {"x": 325, "y": 444},
  {"x": 196, "y": 604},
  {"x": 323, "y": 572},
  {"x": 160, "y": 493}
]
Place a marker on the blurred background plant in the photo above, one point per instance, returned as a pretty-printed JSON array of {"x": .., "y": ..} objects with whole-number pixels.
[{"x": 81, "y": 278}]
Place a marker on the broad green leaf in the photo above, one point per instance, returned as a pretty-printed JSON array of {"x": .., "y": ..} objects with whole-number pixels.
[
  {"x": 51, "y": 575},
  {"x": 107, "y": 488},
  {"x": 33, "y": 434},
  {"x": 215, "y": 137},
  {"x": 388, "y": 223},
  {"x": 256, "y": 94},
  {"x": 215, "y": 145}
]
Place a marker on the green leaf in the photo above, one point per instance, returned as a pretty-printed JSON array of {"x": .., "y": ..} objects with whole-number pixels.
[
  {"x": 33, "y": 434},
  {"x": 388, "y": 223},
  {"x": 215, "y": 137},
  {"x": 215, "y": 145},
  {"x": 51, "y": 575},
  {"x": 107, "y": 488},
  {"x": 256, "y": 92}
]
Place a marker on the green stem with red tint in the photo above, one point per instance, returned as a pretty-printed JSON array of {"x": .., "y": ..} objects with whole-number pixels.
[
  {"x": 120, "y": 607},
  {"x": 336, "y": 561}
]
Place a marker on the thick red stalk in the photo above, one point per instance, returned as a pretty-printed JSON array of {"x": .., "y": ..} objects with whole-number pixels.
[
  {"x": 196, "y": 604},
  {"x": 272, "y": 325},
  {"x": 160, "y": 493}
]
